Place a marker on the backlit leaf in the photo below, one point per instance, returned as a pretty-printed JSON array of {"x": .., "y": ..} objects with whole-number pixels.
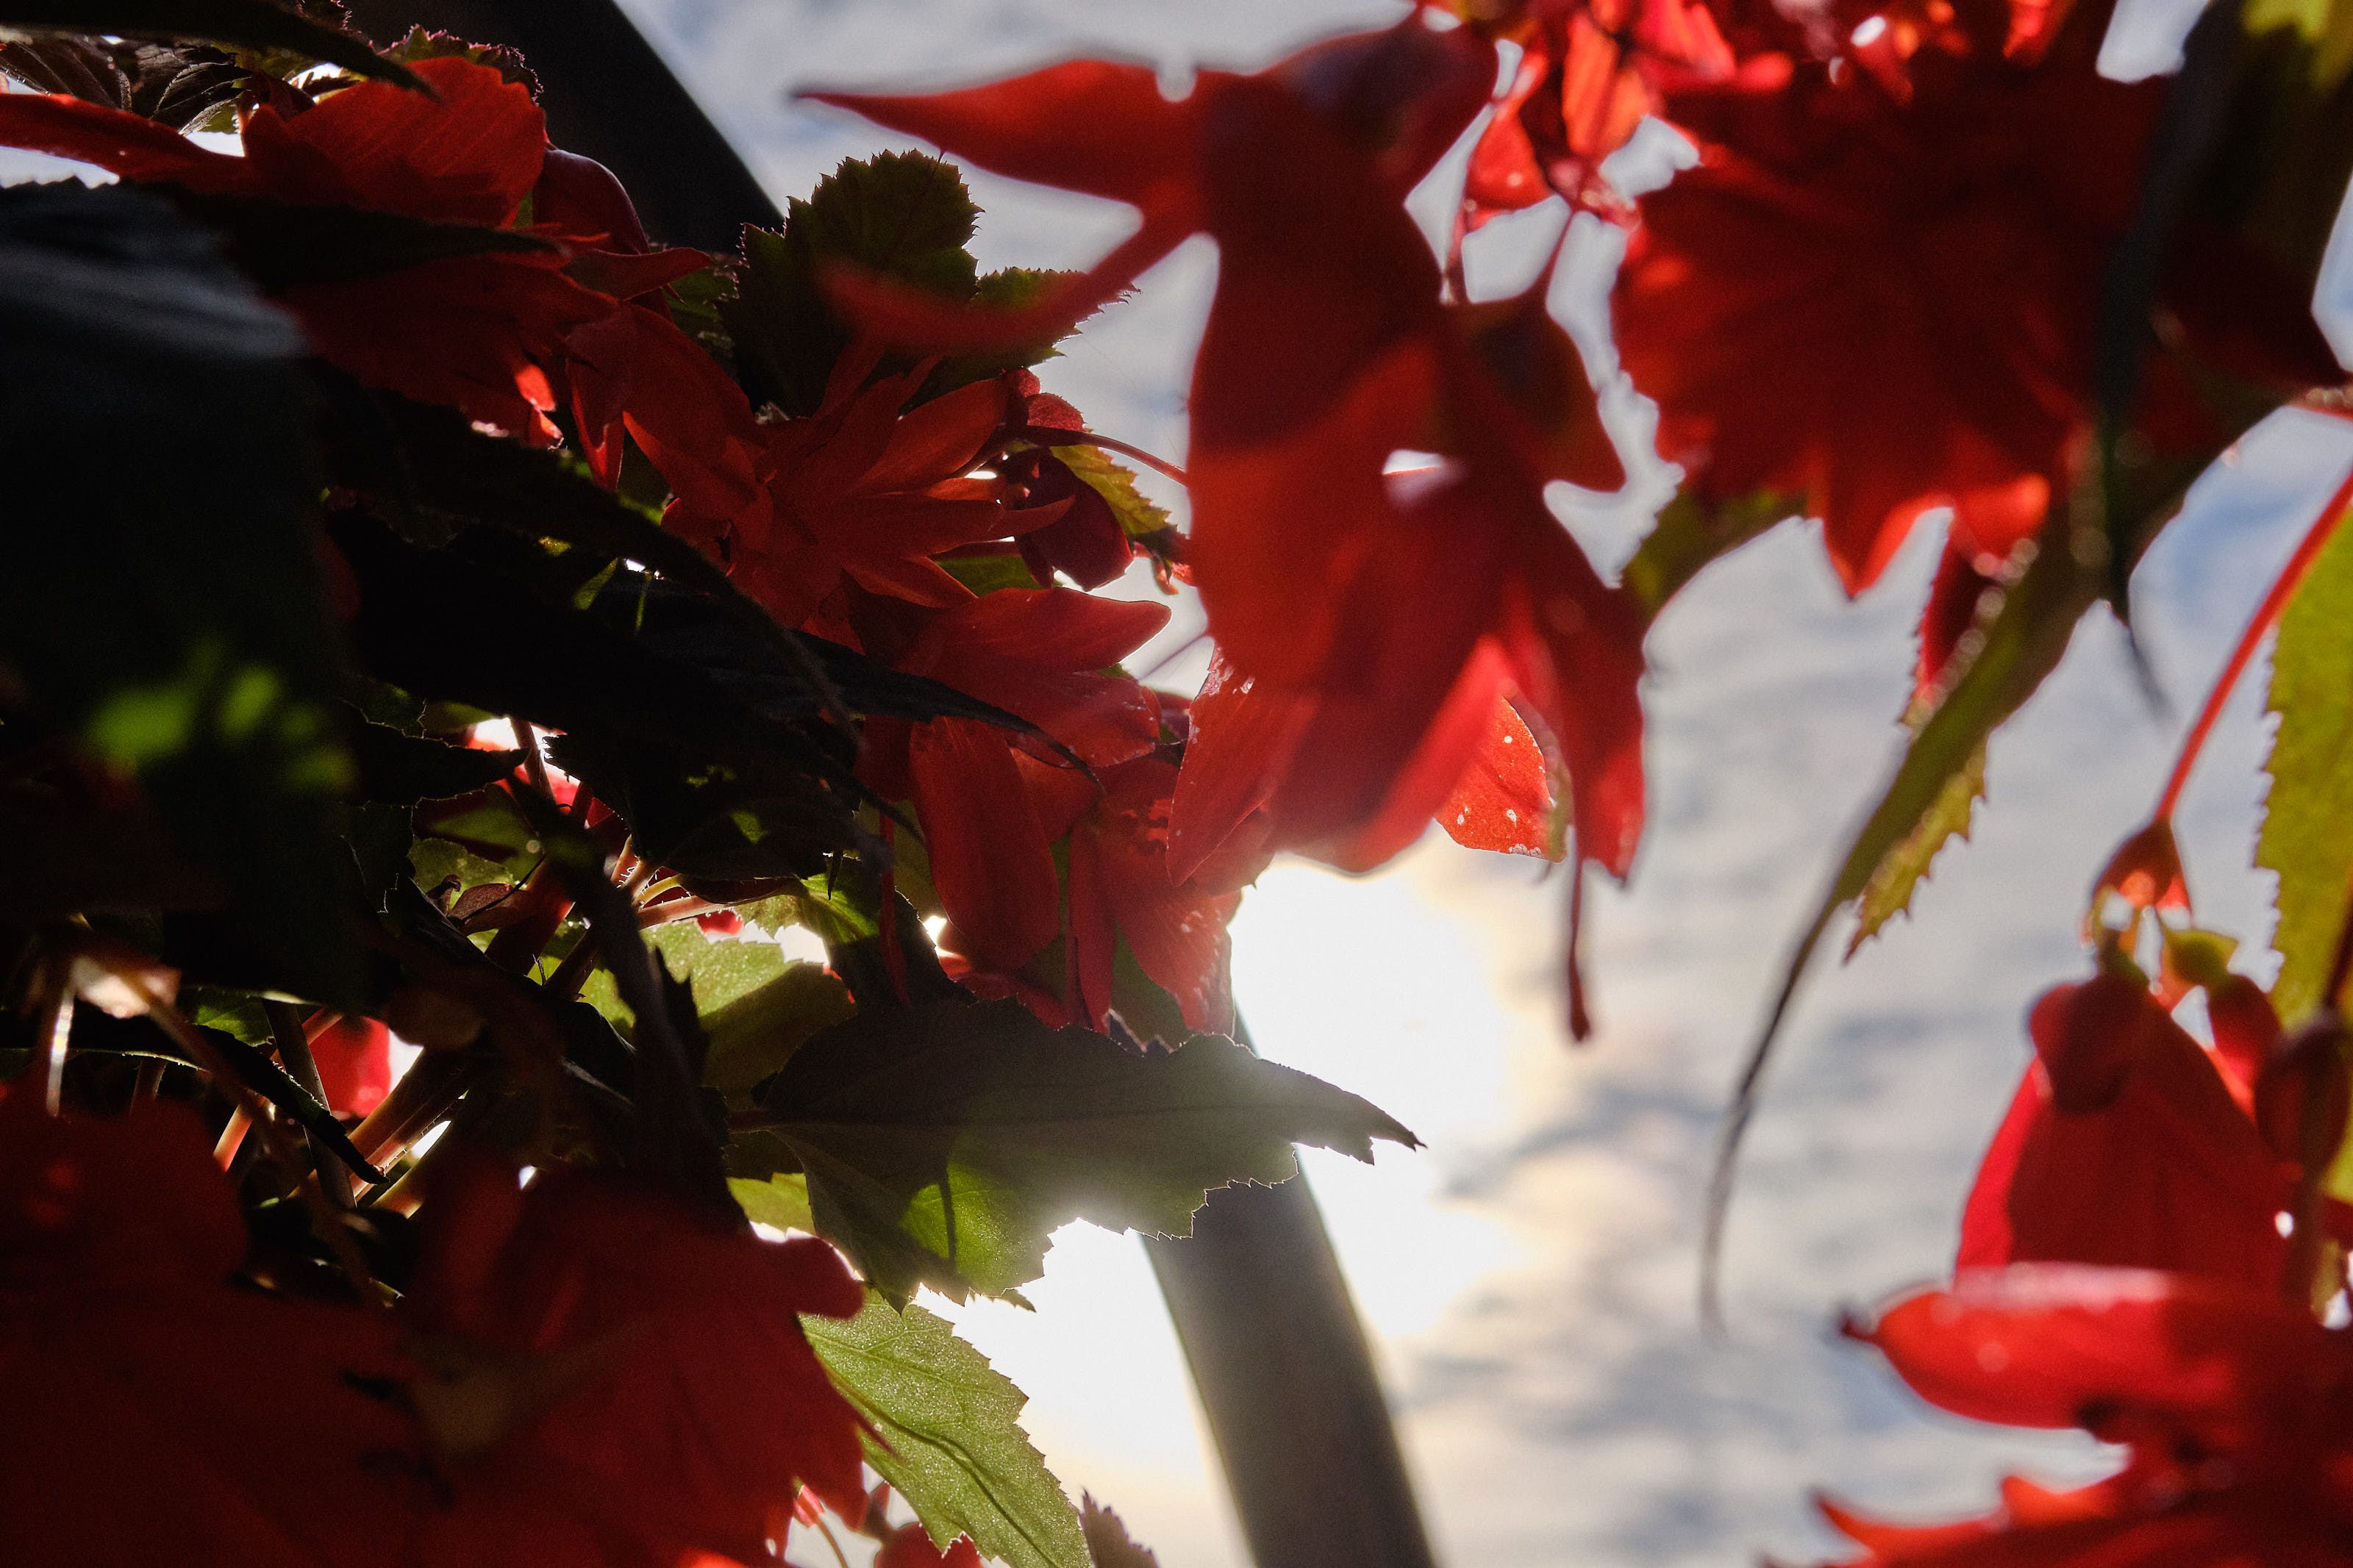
[
  {"x": 946, "y": 1143},
  {"x": 2308, "y": 832},
  {"x": 950, "y": 1440}
]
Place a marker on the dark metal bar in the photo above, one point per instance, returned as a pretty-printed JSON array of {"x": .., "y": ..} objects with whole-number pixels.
[{"x": 1288, "y": 1385}]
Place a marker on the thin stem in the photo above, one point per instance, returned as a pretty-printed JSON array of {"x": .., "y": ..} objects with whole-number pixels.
[
  {"x": 232, "y": 1137},
  {"x": 831, "y": 1540},
  {"x": 324, "y": 1220},
  {"x": 1045, "y": 436},
  {"x": 534, "y": 763},
  {"x": 293, "y": 1042},
  {"x": 2267, "y": 614},
  {"x": 56, "y": 1030}
]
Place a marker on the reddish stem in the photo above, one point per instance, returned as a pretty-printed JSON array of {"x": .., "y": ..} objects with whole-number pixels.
[
  {"x": 1043, "y": 436},
  {"x": 2267, "y": 614}
]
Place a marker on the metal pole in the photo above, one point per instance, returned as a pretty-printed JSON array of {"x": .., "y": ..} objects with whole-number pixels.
[{"x": 1288, "y": 1385}]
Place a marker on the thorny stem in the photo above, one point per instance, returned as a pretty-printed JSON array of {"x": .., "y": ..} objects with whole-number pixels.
[{"x": 2267, "y": 614}]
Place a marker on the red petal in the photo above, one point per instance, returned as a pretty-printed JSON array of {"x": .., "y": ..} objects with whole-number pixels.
[
  {"x": 1503, "y": 800},
  {"x": 469, "y": 156},
  {"x": 936, "y": 440},
  {"x": 990, "y": 860},
  {"x": 2125, "y": 1148},
  {"x": 354, "y": 1060},
  {"x": 2059, "y": 1346},
  {"x": 130, "y": 145},
  {"x": 1085, "y": 125},
  {"x": 1242, "y": 735},
  {"x": 1054, "y": 629}
]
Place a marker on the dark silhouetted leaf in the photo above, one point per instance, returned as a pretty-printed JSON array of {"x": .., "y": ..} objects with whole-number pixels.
[
  {"x": 243, "y": 24},
  {"x": 162, "y": 599},
  {"x": 945, "y": 1143}
]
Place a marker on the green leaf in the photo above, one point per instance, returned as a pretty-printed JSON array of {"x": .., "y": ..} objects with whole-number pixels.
[
  {"x": 947, "y": 1436},
  {"x": 162, "y": 599},
  {"x": 243, "y": 23},
  {"x": 781, "y": 1201},
  {"x": 1901, "y": 870},
  {"x": 2324, "y": 27},
  {"x": 2307, "y": 833},
  {"x": 757, "y": 1032},
  {"x": 756, "y": 1007},
  {"x": 901, "y": 214},
  {"x": 945, "y": 1143},
  {"x": 1137, "y": 514}
]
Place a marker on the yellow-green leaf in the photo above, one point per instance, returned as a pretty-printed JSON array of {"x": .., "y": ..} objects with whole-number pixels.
[{"x": 2308, "y": 832}]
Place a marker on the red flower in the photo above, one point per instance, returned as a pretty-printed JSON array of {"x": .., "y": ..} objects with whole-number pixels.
[
  {"x": 1242, "y": 734},
  {"x": 623, "y": 1371},
  {"x": 1588, "y": 73},
  {"x": 2237, "y": 1409},
  {"x": 1124, "y": 888},
  {"x": 1883, "y": 302},
  {"x": 991, "y": 808},
  {"x": 155, "y": 1415},
  {"x": 1327, "y": 353},
  {"x": 481, "y": 331},
  {"x": 2126, "y": 1146},
  {"x": 865, "y": 489}
]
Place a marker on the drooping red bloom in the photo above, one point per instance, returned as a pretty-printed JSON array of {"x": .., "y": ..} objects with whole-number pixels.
[
  {"x": 1327, "y": 354},
  {"x": 2234, "y": 1404},
  {"x": 2126, "y": 1146},
  {"x": 991, "y": 808},
  {"x": 1883, "y": 302},
  {"x": 155, "y": 1415},
  {"x": 622, "y": 1369},
  {"x": 479, "y": 332}
]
